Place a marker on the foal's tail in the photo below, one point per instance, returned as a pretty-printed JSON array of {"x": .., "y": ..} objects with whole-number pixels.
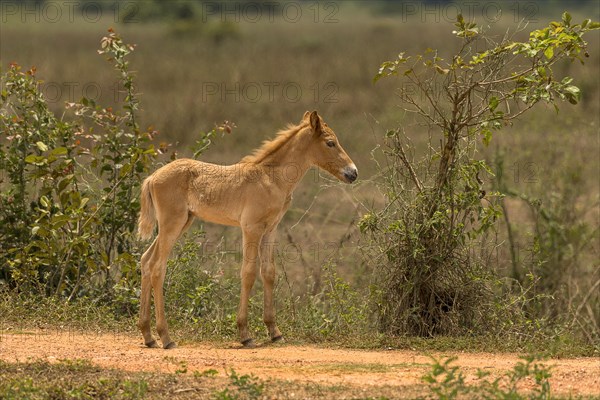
[{"x": 147, "y": 219}]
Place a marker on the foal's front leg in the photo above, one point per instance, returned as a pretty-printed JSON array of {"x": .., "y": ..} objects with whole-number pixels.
[{"x": 251, "y": 242}]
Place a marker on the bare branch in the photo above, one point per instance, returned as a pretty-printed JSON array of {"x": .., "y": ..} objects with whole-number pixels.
[{"x": 407, "y": 164}]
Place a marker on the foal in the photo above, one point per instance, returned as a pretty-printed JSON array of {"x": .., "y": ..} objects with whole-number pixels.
[{"x": 253, "y": 194}]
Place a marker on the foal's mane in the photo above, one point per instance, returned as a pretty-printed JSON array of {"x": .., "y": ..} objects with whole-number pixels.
[{"x": 269, "y": 147}]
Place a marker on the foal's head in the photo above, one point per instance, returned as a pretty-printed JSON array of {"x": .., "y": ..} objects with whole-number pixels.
[{"x": 326, "y": 152}]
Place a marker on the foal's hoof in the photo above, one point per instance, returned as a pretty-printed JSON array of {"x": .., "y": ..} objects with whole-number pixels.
[
  {"x": 248, "y": 343},
  {"x": 152, "y": 344},
  {"x": 277, "y": 339},
  {"x": 171, "y": 345}
]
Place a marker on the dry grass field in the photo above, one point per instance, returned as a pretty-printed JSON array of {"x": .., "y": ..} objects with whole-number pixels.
[{"x": 261, "y": 73}]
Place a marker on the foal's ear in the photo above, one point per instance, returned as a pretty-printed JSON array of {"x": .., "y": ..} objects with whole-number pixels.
[
  {"x": 305, "y": 116},
  {"x": 315, "y": 122}
]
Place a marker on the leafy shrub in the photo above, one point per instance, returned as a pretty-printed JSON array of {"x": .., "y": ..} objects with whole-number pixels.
[
  {"x": 70, "y": 201},
  {"x": 546, "y": 262},
  {"x": 71, "y": 198},
  {"x": 432, "y": 233}
]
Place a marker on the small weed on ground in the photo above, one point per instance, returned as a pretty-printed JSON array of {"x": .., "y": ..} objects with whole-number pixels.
[{"x": 446, "y": 381}]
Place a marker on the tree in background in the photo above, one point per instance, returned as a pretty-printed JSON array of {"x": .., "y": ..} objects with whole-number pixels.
[{"x": 432, "y": 273}]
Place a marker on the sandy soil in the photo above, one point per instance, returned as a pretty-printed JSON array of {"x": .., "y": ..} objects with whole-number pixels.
[{"x": 359, "y": 368}]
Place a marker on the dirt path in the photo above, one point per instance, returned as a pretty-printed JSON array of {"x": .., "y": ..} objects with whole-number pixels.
[{"x": 358, "y": 368}]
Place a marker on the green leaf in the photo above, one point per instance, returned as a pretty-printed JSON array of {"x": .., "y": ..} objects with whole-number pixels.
[
  {"x": 84, "y": 201},
  {"x": 585, "y": 23},
  {"x": 44, "y": 201},
  {"x": 573, "y": 94},
  {"x": 566, "y": 17},
  {"x": 549, "y": 53},
  {"x": 59, "y": 221},
  {"x": 378, "y": 76},
  {"x": 487, "y": 137},
  {"x": 125, "y": 170},
  {"x": 42, "y": 146},
  {"x": 32, "y": 159},
  {"x": 59, "y": 151},
  {"x": 593, "y": 25},
  {"x": 63, "y": 183},
  {"x": 494, "y": 103},
  {"x": 150, "y": 150},
  {"x": 542, "y": 71}
]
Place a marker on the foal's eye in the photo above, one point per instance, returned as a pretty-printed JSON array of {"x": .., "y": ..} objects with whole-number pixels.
[{"x": 331, "y": 143}]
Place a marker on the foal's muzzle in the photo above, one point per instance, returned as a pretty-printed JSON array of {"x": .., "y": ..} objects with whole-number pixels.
[{"x": 350, "y": 173}]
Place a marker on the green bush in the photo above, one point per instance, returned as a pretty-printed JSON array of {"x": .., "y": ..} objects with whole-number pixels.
[
  {"x": 70, "y": 201},
  {"x": 431, "y": 241}
]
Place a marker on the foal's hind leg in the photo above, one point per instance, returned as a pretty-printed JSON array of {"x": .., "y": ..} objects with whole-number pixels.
[
  {"x": 267, "y": 272},
  {"x": 169, "y": 231},
  {"x": 146, "y": 297}
]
